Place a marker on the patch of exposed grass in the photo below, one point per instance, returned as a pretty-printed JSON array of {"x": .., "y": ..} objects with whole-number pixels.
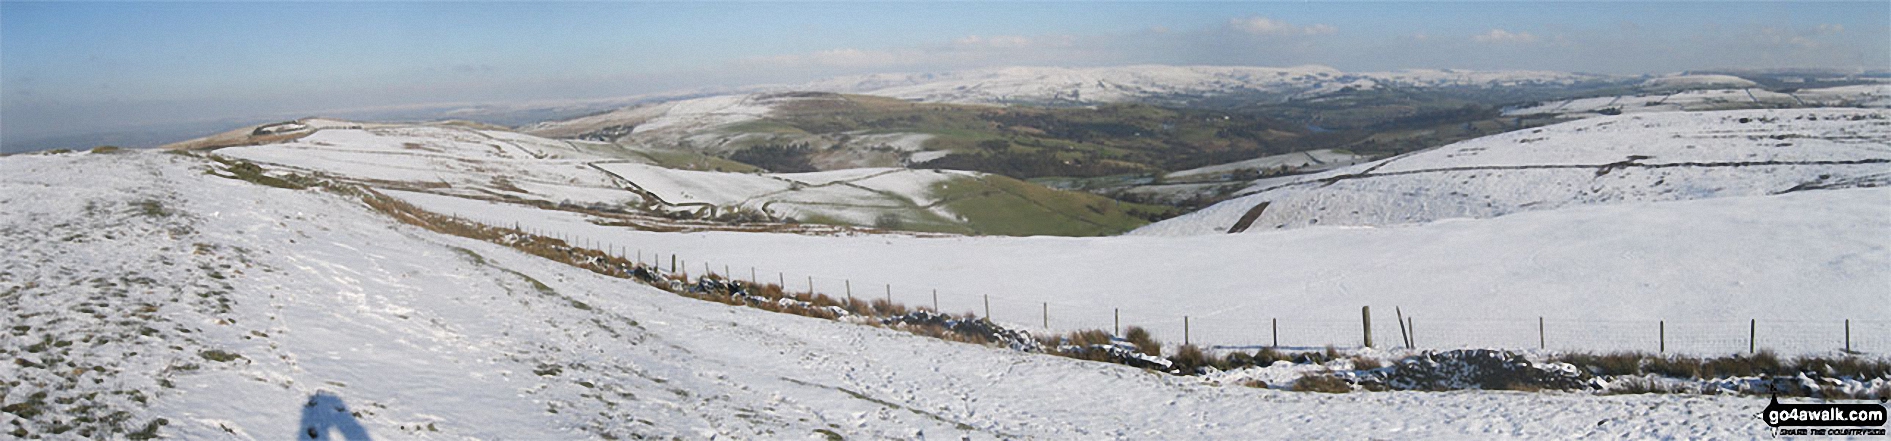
[
  {"x": 248, "y": 171},
  {"x": 151, "y": 208},
  {"x": 220, "y": 355},
  {"x": 1322, "y": 382},
  {"x": 999, "y": 205}
]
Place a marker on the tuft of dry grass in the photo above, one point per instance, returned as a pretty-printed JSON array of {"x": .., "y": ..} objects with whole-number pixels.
[
  {"x": 1615, "y": 363},
  {"x": 1267, "y": 357},
  {"x": 1144, "y": 342},
  {"x": 1323, "y": 382},
  {"x": 1364, "y": 363},
  {"x": 1190, "y": 359},
  {"x": 1848, "y": 366}
]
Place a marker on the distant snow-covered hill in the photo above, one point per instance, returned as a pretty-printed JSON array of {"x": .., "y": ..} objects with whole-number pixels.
[
  {"x": 1129, "y": 83},
  {"x": 1628, "y": 158},
  {"x": 1033, "y": 85}
]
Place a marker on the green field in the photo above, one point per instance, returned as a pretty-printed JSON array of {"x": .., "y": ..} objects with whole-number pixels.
[{"x": 999, "y": 205}]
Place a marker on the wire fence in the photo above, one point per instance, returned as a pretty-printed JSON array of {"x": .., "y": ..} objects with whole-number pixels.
[
  {"x": 1243, "y": 328},
  {"x": 1231, "y": 331}
]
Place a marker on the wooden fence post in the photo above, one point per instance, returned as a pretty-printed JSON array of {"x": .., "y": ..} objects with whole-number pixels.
[
  {"x": 1753, "y": 333},
  {"x": 1185, "y": 330},
  {"x": 1411, "y": 342},
  {"x": 810, "y": 285},
  {"x": 987, "y": 307},
  {"x": 1117, "y": 329},
  {"x": 935, "y": 301},
  {"x": 1403, "y": 336},
  {"x": 673, "y": 262},
  {"x": 1365, "y": 316},
  {"x": 1047, "y": 315},
  {"x": 850, "y": 290},
  {"x": 1277, "y": 332},
  {"x": 1848, "y": 336},
  {"x": 1540, "y": 342},
  {"x": 1664, "y": 335},
  {"x": 889, "y": 294}
]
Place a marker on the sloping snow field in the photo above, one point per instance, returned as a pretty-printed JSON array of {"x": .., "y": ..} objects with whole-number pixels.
[
  {"x": 156, "y": 296},
  {"x": 1602, "y": 276},
  {"x": 1628, "y": 158},
  {"x": 486, "y": 162}
]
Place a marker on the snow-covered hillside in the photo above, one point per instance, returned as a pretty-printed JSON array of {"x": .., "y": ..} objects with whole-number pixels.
[
  {"x": 854, "y": 196},
  {"x": 452, "y": 159},
  {"x": 144, "y": 295},
  {"x": 508, "y": 165},
  {"x": 1709, "y": 98},
  {"x": 1603, "y": 275},
  {"x": 698, "y": 122},
  {"x": 1126, "y": 83},
  {"x": 1628, "y": 158},
  {"x": 678, "y": 117}
]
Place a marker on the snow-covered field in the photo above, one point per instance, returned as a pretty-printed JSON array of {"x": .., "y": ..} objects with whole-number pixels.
[
  {"x": 145, "y": 294},
  {"x": 1628, "y": 158}
]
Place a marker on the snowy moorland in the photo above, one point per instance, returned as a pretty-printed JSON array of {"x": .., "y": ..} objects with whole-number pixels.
[
  {"x": 1620, "y": 159},
  {"x": 504, "y": 165},
  {"x": 1128, "y": 83},
  {"x": 469, "y": 161},
  {"x": 1701, "y": 97},
  {"x": 146, "y": 297}
]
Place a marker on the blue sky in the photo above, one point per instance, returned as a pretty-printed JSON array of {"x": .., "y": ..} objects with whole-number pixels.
[{"x": 67, "y": 67}]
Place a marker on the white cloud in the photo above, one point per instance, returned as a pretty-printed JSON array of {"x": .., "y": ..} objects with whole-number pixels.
[
  {"x": 968, "y": 50},
  {"x": 1503, "y": 36},
  {"x": 1259, "y": 25},
  {"x": 1828, "y": 29},
  {"x": 1003, "y": 41}
]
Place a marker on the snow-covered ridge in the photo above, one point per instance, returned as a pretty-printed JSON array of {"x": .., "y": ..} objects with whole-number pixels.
[
  {"x": 676, "y": 118},
  {"x": 1628, "y": 158},
  {"x": 1696, "y": 81}
]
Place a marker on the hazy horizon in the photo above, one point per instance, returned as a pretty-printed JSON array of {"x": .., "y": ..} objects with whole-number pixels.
[{"x": 74, "y": 70}]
